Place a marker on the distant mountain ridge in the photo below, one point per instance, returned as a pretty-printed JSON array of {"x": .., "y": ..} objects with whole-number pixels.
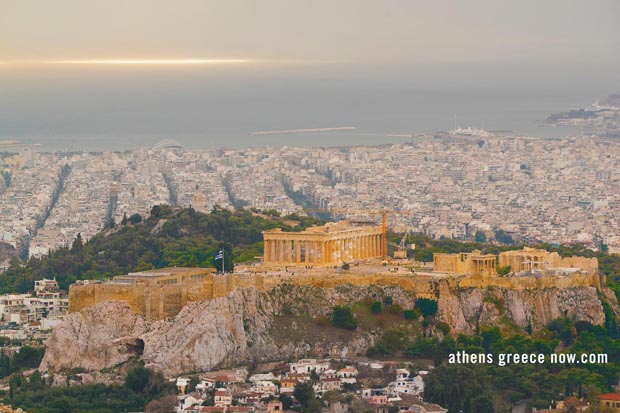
[{"x": 612, "y": 100}]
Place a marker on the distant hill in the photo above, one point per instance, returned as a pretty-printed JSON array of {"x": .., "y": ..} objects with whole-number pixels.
[{"x": 612, "y": 100}]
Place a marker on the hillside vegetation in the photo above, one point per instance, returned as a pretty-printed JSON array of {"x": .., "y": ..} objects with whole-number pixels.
[{"x": 168, "y": 237}]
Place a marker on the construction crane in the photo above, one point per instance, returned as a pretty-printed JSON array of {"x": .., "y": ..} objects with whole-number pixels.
[
  {"x": 383, "y": 212},
  {"x": 401, "y": 251}
]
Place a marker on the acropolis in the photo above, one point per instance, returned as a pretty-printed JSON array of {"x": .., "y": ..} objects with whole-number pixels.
[{"x": 162, "y": 293}]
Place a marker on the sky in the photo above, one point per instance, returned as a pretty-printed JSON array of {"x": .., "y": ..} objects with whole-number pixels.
[
  {"x": 116, "y": 71},
  {"x": 311, "y": 32}
]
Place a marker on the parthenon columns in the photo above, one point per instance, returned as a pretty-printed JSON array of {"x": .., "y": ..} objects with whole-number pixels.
[{"x": 332, "y": 243}]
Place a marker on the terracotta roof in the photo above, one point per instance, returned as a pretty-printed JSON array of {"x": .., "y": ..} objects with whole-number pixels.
[
  {"x": 609, "y": 396},
  {"x": 212, "y": 409}
]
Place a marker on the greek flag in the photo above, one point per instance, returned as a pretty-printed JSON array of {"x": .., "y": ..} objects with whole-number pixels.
[{"x": 219, "y": 256}]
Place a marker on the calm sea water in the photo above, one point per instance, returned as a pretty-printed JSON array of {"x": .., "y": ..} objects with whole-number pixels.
[{"x": 118, "y": 110}]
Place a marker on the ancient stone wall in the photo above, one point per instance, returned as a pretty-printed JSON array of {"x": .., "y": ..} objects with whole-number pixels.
[
  {"x": 532, "y": 259},
  {"x": 161, "y": 302}
]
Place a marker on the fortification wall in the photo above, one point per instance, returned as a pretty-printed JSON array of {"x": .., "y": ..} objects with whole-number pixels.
[
  {"x": 532, "y": 283},
  {"x": 445, "y": 262},
  {"x": 159, "y": 302},
  {"x": 586, "y": 264}
]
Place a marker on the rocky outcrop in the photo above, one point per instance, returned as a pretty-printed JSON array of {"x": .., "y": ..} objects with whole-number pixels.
[
  {"x": 466, "y": 310},
  {"x": 101, "y": 336},
  {"x": 248, "y": 325}
]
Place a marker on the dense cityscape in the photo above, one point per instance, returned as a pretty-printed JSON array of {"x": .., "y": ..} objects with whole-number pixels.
[{"x": 556, "y": 191}]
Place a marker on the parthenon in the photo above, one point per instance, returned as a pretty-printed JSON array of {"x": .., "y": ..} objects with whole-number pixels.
[{"x": 328, "y": 244}]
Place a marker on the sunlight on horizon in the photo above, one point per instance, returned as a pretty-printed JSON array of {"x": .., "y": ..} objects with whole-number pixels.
[
  {"x": 149, "y": 61},
  {"x": 131, "y": 62}
]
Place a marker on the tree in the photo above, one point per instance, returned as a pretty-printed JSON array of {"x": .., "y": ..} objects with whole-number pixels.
[
  {"x": 411, "y": 314},
  {"x": 376, "y": 307},
  {"x": 490, "y": 337},
  {"x": 287, "y": 401},
  {"x": 135, "y": 218},
  {"x": 78, "y": 245},
  {"x": 342, "y": 317},
  {"x": 427, "y": 306},
  {"x": 480, "y": 237},
  {"x": 159, "y": 211},
  {"x": 193, "y": 382},
  {"x": 137, "y": 379},
  {"x": 393, "y": 340},
  {"x": 503, "y": 237},
  {"x": 314, "y": 406},
  {"x": 455, "y": 387},
  {"x": 27, "y": 358},
  {"x": 504, "y": 270},
  {"x": 304, "y": 392},
  {"x": 563, "y": 329},
  {"x": 482, "y": 404},
  {"x": 36, "y": 382}
]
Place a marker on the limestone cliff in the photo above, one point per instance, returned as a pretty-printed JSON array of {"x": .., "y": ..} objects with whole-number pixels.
[
  {"x": 249, "y": 325},
  {"x": 468, "y": 309},
  {"x": 98, "y": 337}
]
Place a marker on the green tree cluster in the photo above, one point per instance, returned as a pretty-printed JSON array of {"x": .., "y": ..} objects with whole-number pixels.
[
  {"x": 427, "y": 307},
  {"x": 540, "y": 383},
  {"x": 27, "y": 358},
  {"x": 342, "y": 317},
  {"x": 142, "y": 386}
]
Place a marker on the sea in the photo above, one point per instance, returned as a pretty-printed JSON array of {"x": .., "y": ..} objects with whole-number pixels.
[{"x": 124, "y": 109}]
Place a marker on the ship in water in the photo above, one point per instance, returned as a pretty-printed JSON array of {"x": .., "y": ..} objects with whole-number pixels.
[{"x": 469, "y": 131}]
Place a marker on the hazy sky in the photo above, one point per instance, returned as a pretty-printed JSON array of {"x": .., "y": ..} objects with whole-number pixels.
[
  {"x": 384, "y": 66},
  {"x": 312, "y": 31}
]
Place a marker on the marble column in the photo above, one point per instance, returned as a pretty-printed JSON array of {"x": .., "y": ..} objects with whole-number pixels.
[{"x": 298, "y": 252}]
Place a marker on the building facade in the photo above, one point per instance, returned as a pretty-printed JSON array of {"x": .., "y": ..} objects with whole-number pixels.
[
  {"x": 474, "y": 263},
  {"x": 332, "y": 243},
  {"x": 538, "y": 260}
]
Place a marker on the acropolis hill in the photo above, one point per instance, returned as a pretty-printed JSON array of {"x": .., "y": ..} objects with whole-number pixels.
[
  {"x": 180, "y": 319},
  {"x": 191, "y": 319},
  {"x": 307, "y": 259}
]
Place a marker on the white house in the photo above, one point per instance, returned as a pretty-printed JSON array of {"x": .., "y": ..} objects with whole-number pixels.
[{"x": 308, "y": 365}]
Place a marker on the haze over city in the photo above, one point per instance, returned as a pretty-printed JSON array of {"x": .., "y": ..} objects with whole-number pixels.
[{"x": 120, "y": 75}]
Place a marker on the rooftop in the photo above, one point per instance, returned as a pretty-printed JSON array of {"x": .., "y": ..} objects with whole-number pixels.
[{"x": 330, "y": 228}]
